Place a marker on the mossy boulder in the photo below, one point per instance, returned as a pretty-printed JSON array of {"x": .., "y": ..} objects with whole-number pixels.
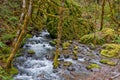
[
  {"x": 108, "y": 62},
  {"x": 53, "y": 42},
  {"x": 65, "y": 45},
  {"x": 91, "y": 38},
  {"x": 31, "y": 52},
  {"x": 92, "y": 66},
  {"x": 100, "y": 37},
  {"x": 110, "y": 50}
]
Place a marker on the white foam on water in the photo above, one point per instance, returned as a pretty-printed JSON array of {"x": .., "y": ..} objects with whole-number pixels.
[{"x": 31, "y": 68}]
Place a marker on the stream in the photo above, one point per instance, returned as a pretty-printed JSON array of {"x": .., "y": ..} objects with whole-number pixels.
[{"x": 39, "y": 66}]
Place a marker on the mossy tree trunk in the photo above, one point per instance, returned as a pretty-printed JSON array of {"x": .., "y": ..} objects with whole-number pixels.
[
  {"x": 21, "y": 36},
  {"x": 59, "y": 33},
  {"x": 102, "y": 14}
]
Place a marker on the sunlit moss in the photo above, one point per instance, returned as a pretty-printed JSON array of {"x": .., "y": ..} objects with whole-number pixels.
[
  {"x": 91, "y": 66},
  {"x": 106, "y": 61},
  {"x": 110, "y": 50},
  {"x": 31, "y": 52},
  {"x": 100, "y": 37},
  {"x": 65, "y": 45}
]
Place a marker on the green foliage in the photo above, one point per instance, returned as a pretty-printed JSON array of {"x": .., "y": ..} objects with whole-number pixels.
[
  {"x": 117, "y": 39},
  {"x": 73, "y": 25},
  {"x": 6, "y": 50},
  {"x": 2, "y": 45},
  {"x": 4, "y": 75},
  {"x": 6, "y": 37}
]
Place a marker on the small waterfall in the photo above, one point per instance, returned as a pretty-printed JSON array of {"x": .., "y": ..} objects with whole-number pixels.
[{"x": 36, "y": 66}]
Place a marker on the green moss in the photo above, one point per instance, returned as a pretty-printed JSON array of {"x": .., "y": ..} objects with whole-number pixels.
[
  {"x": 90, "y": 38},
  {"x": 108, "y": 32},
  {"x": 76, "y": 47},
  {"x": 75, "y": 53},
  {"x": 53, "y": 43},
  {"x": 29, "y": 35},
  {"x": 110, "y": 50},
  {"x": 2, "y": 45},
  {"x": 6, "y": 75},
  {"x": 67, "y": 63},
  {"x": 106, "y": 61},
  {"x": 100, "y": 37},
  {"x": 13, "y": 71},
  {"x": 31, "y": 52},
  {"x": 91, "y": 66},
  {"x": 65, "y": 45}
]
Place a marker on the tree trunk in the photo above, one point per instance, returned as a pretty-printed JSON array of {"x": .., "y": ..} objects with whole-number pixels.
[
  {"x": 59, "y": 33},
  {"x": 102, "y": 14},
  {"x": 20, "y": 37}
]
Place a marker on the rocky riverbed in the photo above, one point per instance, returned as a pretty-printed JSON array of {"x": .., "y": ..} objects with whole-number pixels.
[{"x": 77, "y": 61}]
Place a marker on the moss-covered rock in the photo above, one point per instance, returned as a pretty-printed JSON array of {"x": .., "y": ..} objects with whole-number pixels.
[
  {"x": 65, "y": 45},
  {"x": 91, "y": 66},
  {"x": 76, "y": 47},
  {"x": 106, "y": 61},
  {"x": 67, "y": 63},
  {"x": 53, "y": 43},
  {"x": 31, "y": 52},
  {"x": 100, "y": 37},
  {"x": 91, "y": 38},
  {"x": 110, "y": 50},
  {"x": 75, "y": 53}
]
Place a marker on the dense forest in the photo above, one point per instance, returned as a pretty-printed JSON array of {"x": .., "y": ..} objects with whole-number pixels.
[{"x": 59, "y": 40}]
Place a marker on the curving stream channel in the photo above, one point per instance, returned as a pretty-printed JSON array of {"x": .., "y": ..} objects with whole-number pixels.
[{"x": 39, "y": 66}]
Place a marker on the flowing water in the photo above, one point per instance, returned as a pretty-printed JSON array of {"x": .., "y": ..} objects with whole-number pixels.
[{"x": 36, "y": 67}]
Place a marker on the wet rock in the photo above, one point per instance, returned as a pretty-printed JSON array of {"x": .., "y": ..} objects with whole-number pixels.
[
  {"x": 95, "y": 69},
  {"x": 71, "y": 68},
  {"x": 74, "y": 57},
  {"x": 61, "y": 59},
  {"x": 55, "y": 70},
  {"x": 66, "y": 53}
]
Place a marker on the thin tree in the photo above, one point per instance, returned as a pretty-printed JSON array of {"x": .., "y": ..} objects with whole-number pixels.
[
  {"x": 20, "y": 37},
  {"x": 102, "y": 14},
  {"x": 59, "y": 33}
]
